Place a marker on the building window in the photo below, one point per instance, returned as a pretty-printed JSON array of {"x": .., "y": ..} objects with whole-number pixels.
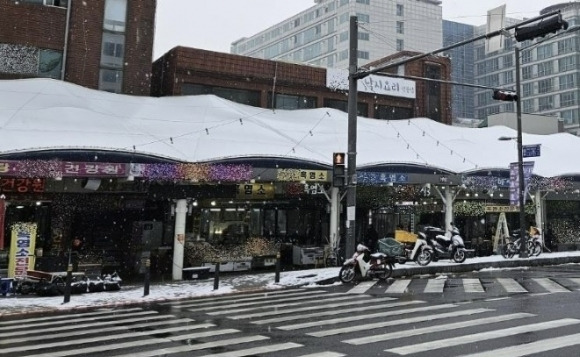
[
  {"x": 400, "y": 10},
  {"x": 363, "y": 36},
  {"x": 400, "y": 27},
  {"x": 111, "y": 80},
  {"x": 49, "y": 64},
  {"x": 567, "y": 63},
  {"x": 545, "y": 86},
  {"x": 567, "y": 99},
  {"x": 527, "y": 89},
  {"x": 235, "y": 95},
  {"x": 363, "y": 55},
  {"x": 393, "y": 113},
  {"x": 528, "y": 106},
  {"x": 508, "y": 77},
  {"x": 544, "y": 51},
  {"x": 526, "y": 56},
  {"x": 545, "y": 68},
  {"x": 363, "y": 18},
  {"x": 115, "y": 15},
  {"x": 366, "y": 2},
  {"x": 567, "y": 81},
  {"x": 508, "y": 61},
  {"x": 546, "y": 103},
  {"x": 400, "y": 45},
  {"x": 113, "y": 50},
  {"x": 287, "y": 101},
  {"x": 362, "y": 108},
  {"x": 527, "y": 72},
  {"x": 566, "y": 45}
]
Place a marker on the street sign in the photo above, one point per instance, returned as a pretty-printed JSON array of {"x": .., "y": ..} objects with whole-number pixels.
[{"x": 531, "y": 150}]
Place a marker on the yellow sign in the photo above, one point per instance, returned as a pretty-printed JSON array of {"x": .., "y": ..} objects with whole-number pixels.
[
  {"x": 22, "y": 249},
  {"x": 255, "y": 191},
  {"x": 302, "y": 175},
  {"x": 499, "y": 209}
]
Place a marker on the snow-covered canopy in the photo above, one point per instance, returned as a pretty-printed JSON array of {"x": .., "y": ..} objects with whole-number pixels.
[{"x": 45, "y": 114}]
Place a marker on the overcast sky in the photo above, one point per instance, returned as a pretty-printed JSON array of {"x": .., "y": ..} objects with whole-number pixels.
[{"x": 215, "y": 24}]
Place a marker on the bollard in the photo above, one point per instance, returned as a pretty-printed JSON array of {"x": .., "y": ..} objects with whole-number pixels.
[
  {"x": 68, "y": 279},
  {"x": 147, "y": 276},
  {"x": 277, "y": 278},
  {"x": 216, "y": 276}
]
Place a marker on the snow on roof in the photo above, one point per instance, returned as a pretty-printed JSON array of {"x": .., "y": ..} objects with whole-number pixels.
[{"x": 43, "y": 114}]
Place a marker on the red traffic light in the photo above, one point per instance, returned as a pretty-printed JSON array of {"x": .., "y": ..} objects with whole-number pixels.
[
  {"x": 504, "y": 95},
  {"x": 541, "y": 28}
]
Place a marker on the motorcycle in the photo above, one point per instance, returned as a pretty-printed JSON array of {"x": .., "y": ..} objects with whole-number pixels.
[
  {"x": 451, "y": 247},
  {"x": 367, "y": 265}
]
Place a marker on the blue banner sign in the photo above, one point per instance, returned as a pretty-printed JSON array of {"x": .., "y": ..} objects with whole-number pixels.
[
  {"x": 377, "y": 178},
  {"x": 531, "y": 150}
]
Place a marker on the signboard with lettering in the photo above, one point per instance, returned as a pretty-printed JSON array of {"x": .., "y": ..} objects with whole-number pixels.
[
  {"x": 377, "y": 178},
  {"x": 337, "y": 79},
  {"x": 531, "y": 150},
  {"x": 255, "y": 191},
  {"x": 528, "y": 167},
  {"x": 22, "y": 249},
  {"x": 21, "y": 185},
  {"x": 500, "y": 209},
  {"x": 302, "y": 175}
]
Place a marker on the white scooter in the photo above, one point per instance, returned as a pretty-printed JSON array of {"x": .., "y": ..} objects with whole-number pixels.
[{"x": 367, "y": 265}]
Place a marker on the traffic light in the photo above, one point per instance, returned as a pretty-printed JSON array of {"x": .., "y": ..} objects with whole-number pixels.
[
  {"x": 338, "y": 169},
  {"x": 504, "y": 95},
  {"x": 541, "y": 29}
]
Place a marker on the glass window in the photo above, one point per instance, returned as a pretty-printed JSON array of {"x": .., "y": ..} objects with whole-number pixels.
[
  {"x": 111, "y": 80},
  {"x": 508, "y": 77},
  {"x": 113, "y": 50},
  {"x": 235, "y": 95},
  {"x": 115, "y": 15},
  {"x": 400, "y": 27},
  {"x": 528, "y": 106},
  {"x": 527, "y": 89},
  {"x": 545, "y": 68},
  {"x": 50, "y": 64},
  {"x": 287, "y": 101},
  {"x": 363, "y": 54},
  {"x": 544, "y": 51},
  {"x": 362, "y": 108},
  {"x": 508, "y": 61},
  {"x": 366, "y": 2},
  {"x": 545, "y": 103},
  {"x": 364, "y": 36},
  {"x": 400, "y": 44},
  {"x": 545, "y": 85},
  {"x": 527, "y": 72},
  {"x": 567, "y": 63},
  {"x": 566, "y": 45},
  {"x": 400, "y": 10},
  {"x": 567, "y": 81},
  {"x": 363, "y": 18},
  {"x": 393, "y": 113},
  {"x": 568, "y": 99},
  {"x": 526, "y": 56}
]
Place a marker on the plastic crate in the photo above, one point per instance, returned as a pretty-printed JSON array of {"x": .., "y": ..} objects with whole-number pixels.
[{"x": 391, "y": 247}]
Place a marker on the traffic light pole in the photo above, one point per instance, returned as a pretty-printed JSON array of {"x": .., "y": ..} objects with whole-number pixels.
[
  {"x": 522, "y": 184},
  {"x": 351, "y": 180}
]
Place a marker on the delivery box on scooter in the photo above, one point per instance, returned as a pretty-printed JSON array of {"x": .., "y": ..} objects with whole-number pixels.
[
  {"x": 405, "y": 236},
  {"x": 391, "y": 247}
]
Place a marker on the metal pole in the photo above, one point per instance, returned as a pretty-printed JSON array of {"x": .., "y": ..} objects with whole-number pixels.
[
  {"x": 352, "y": 121},
  {"x": 521, "y": 185},
  {"x": 216, "y": 276},
  {"x": 68, "y": 282},
  {"x": 277, "y": 274}
]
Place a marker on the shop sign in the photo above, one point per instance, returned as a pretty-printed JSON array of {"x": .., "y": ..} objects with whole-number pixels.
[
  {"x": 337, "y": 79},
  {"x": 314, "y": 189},
  {"x": 302, "y": 175},
  {"x": 500, "y": 209},
  {"x": 377, "y": 178},
  {"x": 21, "y": 185},
  {"x": 87, "y": 169},
  {"x": 22, "y": 249},
  {"x": 255, "y": 191}
]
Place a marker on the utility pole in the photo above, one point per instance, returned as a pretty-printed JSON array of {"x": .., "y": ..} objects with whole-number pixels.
[{"x": 352, "y": 124}]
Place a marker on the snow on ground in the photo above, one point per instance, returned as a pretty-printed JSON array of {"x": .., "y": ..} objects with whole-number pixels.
[{"x": 163, "y": 291}]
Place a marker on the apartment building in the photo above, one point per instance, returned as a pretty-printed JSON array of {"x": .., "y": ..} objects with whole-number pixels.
[
  {"x": 319, "y": 35},
  {"x": 99, "y": 44}
]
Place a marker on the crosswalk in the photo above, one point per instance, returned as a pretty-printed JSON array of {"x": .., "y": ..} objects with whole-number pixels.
[
  {"x": 310, "y": 322},
  {"x": 443, "y": 284}
]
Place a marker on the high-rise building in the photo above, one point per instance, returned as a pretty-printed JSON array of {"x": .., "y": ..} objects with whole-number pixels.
[
  {"x": 461, "y": 68},
  {"x": 99, "y": 44},
  {"x": 549, "y": 72},
  {"x": 319, "y": 35}
]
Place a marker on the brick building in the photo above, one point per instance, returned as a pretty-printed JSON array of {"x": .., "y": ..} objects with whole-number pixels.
[
  {"x": 283, "y": 85},
  {"x": 100, "y": 44}
]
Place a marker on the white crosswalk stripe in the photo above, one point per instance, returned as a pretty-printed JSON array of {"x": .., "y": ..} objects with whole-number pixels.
[
  {"x": 362, "y": 287},
  {"x": 399, "y": 286},
  {"x": 550, "y": 285},
  {"x": 511, "y": 286},
  {"x": 531, "y": 348},
  {"x": 470, "y": 286},
  {"x": 481, "y": 336}
]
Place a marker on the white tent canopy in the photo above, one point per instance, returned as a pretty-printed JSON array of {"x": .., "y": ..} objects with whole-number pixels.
[{"x": 45, "y": 114}]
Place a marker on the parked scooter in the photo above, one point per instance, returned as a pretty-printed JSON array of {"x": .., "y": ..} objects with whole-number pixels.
[
  {"x": 366, "y": 265},
  {"x": 419, "y": 251},
  {"x": 449, "y": 247}
]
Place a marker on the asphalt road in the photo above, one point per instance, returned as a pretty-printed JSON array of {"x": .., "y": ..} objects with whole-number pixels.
[{"x": 520, "y": 312}]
